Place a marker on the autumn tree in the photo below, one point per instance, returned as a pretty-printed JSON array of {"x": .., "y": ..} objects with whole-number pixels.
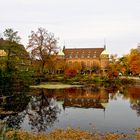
[
  {"x": 124, "y": 64},
  {"x": 134, "y": 61},
  {"x": 72, "y": 69},
  {"x": 113, "y": 68},
  {"x": 51, "y": 63},
  {"x": 42, "y": 45},
  {"x": 60, "y": 65},
  {"x": 96, "y": 67}
]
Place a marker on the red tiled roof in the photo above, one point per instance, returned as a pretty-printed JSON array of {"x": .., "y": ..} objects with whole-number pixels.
[{"x": 83, "y": 52}]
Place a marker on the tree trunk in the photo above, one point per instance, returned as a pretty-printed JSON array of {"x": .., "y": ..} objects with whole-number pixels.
[
  {"x": 42, "y": 68},
  {"x": 8, "y": 60}
]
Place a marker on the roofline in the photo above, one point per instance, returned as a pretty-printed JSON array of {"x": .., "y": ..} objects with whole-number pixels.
[{"x": 82, "y": 48}]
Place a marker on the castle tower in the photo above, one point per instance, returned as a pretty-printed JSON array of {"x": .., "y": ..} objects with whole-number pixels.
[
  {"x": 61, "y": 53},
  {"x": 104, "y": 59}
]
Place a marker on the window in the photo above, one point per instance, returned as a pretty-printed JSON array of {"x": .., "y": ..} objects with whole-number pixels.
[
  {"x": 82, "y": 56},
  {"x": 88, "y": 56},
  {"x": 94, "y": 56},
  {"x": 70, "y": 56}
]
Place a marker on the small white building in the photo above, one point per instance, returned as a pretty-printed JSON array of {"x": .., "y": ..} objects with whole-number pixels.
[{"x": 3, "y": 53}]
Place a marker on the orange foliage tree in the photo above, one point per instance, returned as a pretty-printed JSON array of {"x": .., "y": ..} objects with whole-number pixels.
[
  {"x": 114, "y": 67},
  {"x": 60, "y": 65},
  {"x": 96, "y": 66},
  {"x": 134, "y": 61},
  {"x": 72, "y": 69}
]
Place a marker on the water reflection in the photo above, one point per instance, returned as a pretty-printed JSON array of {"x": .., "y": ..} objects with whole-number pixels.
[
  {"x": 12, "y": 103},
  {"x": 42, "y": 112},
  {"x": 47, "y": 109},
  {"x": 134, "y": 95},
  {"x": 79, "y": 97}
]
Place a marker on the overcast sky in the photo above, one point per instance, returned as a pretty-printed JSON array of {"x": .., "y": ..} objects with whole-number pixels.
[{"x": 78, "y": 23}]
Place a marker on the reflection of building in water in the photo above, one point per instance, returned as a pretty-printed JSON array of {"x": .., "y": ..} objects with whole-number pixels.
[
  {"x": 133, "y": 93},
  {"x": 85, "y": 103},
  {"x": 92, "y": 97}
]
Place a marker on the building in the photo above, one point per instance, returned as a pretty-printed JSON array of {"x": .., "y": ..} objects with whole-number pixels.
[
  {"x": 2, "y": 53},
  {"x": 88, "y": 59},
  {"x": 86, "y": 97}
]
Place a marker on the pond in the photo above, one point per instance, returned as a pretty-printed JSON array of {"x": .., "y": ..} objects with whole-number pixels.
[{"x": 92, "y": 108}]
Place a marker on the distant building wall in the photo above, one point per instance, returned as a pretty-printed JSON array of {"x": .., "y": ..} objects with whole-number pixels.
[{"x": 88, "y": 57}]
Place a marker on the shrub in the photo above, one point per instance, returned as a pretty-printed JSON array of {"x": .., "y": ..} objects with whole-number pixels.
[
  {"x": 127, "y": 81},
  {"x": 70, "y": 73}
]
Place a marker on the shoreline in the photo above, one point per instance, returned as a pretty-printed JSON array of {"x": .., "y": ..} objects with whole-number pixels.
[{"x": 70, "y": 134}]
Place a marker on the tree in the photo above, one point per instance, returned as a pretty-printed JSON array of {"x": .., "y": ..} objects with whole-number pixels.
[
  {"x": 96, "y": 67},
  {"x": 134, "y": 61},
  {"x": 60, "y": 65},
  {"x": 11, "y": 35},
  {"x": 42, "y": 45},
  {"x": 42, "y": 112},
  {"x": 70, "y": 72},
  {"x": 114, "y": 67},
  {"x": 113, "y": 58},
  {"x": 124, "y": 65},
  {"x": 113, "y": 71},
  {"x": 11, "y": 45},
  {"x": 51, "y": 64},
  {"x": 16, "y": 62}
]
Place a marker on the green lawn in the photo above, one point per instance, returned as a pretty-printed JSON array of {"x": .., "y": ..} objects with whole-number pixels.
[{"x": 55, "y": 86}]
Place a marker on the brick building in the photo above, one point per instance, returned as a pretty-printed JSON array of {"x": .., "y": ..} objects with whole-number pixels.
[{"x": 90, "y": 59}]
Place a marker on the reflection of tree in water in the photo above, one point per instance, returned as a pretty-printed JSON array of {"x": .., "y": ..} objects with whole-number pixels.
[
  {"x": 136, "y": 107},
  {"x": 15, "y": 104},
  {"x": 15, "y": 121},
  {"x": 42, "y": 112},
  {"x": 132, "y": 93}
]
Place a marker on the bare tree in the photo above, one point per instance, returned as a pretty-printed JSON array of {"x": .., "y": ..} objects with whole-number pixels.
[{"x": 42, "y": 45}]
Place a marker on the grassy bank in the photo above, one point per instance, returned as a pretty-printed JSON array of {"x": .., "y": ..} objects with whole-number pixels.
[
  {"x": 69, "y": 134},
  {"x": 57, "y": 81}
]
